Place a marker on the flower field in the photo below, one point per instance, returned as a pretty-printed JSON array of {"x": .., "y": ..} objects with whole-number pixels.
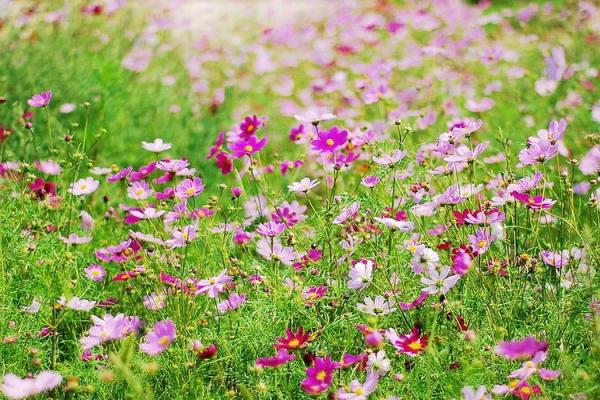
[{"x": 263, "y": 199}]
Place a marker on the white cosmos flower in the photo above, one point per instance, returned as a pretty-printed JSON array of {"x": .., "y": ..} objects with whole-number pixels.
[
  {"x": 157, "y": 146},
  {"x": 303, "y": 186}
]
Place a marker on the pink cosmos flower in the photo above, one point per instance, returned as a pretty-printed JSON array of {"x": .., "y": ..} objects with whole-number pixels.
[
  {"x": 247, "y": 147},
  {"x": 84, "y": 186},
  {"x": 48, "y": 167},
  {"x": 347, "y": 213},
  {"x": 289, "y": 213},
  {"x": 320, "y": 376},
  {"x": 533, "y": 202},
  {"x": 155, "y": 301},
  {"x": 189, "y": 188},
  {"x": 139, "y": 190},
  {"x": 481, "y": 240},
  {"x": 147, "y": 213},
  {"x": 40, "y": 100},
  {"x": 370, "y": 181},
  {"x": 537, "y": 152},
  {"x": 281, "y": 358},
  {"x": 392, "y": 223},
  {"x": 330, "y": 140},
  {"x": 160, "y": 338},
  {"x": 590, "y": 163},
  {"x": 520, "y": 349},
  {"x": 109, "y": 328},
  {"x": 276, "y": 252},
  {"x": 556, "y": 259},
  {"x": 475, "y": 394},
  {"x": 121, "y": 174},
  {"x": 389, "y": 159},
  {"x": 480, "y": 106},
  {"x": 95, "y": 272},
  {"x": 14, "y": 387},
  {"x": 361, "y": 275},
  {"x": 214, "y": 285},
  {"x": 119, "y": 253},
  {"x": 358, "y": 391},
  {"x": 270, "y": 229},
  {"x": 87, "y": 222},
  {"x": 73, "y": 238},
  {"x": 415, "y": 303},
  {"x": 75, "y": 303},
  {"x": 234, "y": 302}
]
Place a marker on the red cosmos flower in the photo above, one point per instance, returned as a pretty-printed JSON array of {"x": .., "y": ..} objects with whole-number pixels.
[
  {"x": 42, "y": 188},
  {"x": 533, "y": 202},
  {"x": 208, "y": 352},
  {"x": 293, "y": 341},
  {"x": 460, "y": 216},
  {"x": 410, "y": 344},
  {"x": 224, "y": 162},
  {"x": 4, "y": 133},
  {"x": 524, "y": 390}
]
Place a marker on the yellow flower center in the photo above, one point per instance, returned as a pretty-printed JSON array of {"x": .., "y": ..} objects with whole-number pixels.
[
  {"x": 358, "y": 391},
  {"x": 525, "y": 390},
  {"x": 482, "y": 243},
  {"x": 248, "y": 148},
  {"x": 163, "y": 341},
  {"x": 95, "y": 273},
  {"x": 190, "y": 191},
  {"x": 513, "y": 384},
  {"x": 212, "y": 281},
  {"x": 321, "y": 375},
  {"x": 531, "y": 200},
  {"x": 250, "y": 128},
  {"x": 294, "y": 343},
  {"x": 329, "y": 142},
  {"x": 83, "y": 187},
  {"x": 415, "y": 346},
  {"x": 139, "y": 192}
]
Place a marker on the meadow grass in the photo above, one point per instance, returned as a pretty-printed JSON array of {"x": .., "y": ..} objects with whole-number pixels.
[{"x": 400, "y": 192}]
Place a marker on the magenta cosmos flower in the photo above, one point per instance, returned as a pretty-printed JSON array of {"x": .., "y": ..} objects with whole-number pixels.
[
  {"x": 319, "y": 377},
  {"x": 281, "y": 358},
  {"x": 189, "y": 188},
  {"x": 14, "y": 387},
  {"x": 40, "y": 100},
  {"x": 247, "y": 147},
  {"x": 520, "y": 349},
  {"x": 410, "y": 344},
  {"x": 249, "y": 126},
  {"x": 534, "y": 202},
  {"x": 160, "y": 338},
  {"x": 330, "y": 140}
]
